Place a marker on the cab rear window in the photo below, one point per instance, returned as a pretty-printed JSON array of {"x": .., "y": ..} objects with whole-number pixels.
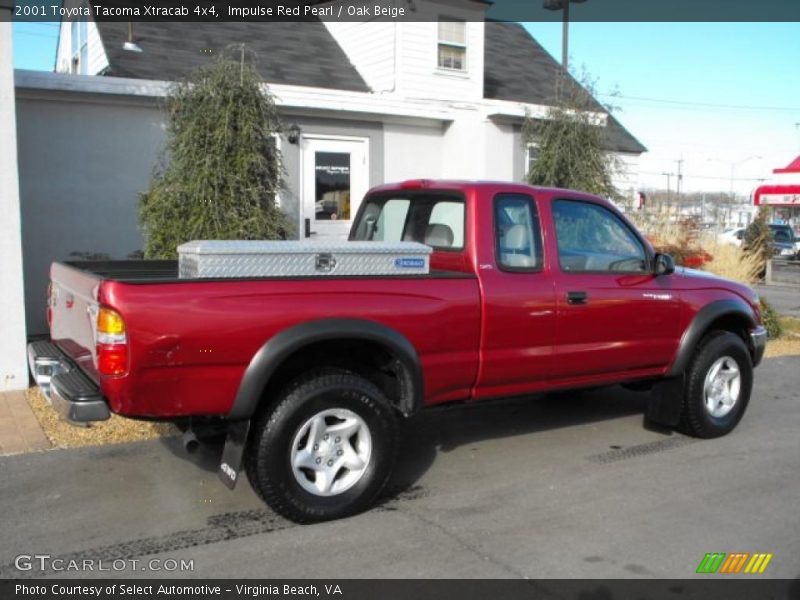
[{"x": 433, "y": 219}]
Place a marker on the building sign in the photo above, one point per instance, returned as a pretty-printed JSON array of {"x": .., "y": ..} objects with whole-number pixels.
[
  {"x": 778, "y": 195},
  {"x": 782, "y": 199}
]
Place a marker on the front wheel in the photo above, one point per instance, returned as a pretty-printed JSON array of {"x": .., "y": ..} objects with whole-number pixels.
[
  {"x": 718, "y": 386},
  {"x": 325, "y": 450}
]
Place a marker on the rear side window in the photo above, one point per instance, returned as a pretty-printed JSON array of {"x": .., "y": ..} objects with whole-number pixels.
[
  {"x": 435, "y": 220},
  {"x": 593, "y": 239},
  {"x": 518, "y": 236}
]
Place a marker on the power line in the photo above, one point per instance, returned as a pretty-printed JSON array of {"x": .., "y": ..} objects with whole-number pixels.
[
  {"x": 703, "y": 104},
  {"x": 685, "y": 176}
]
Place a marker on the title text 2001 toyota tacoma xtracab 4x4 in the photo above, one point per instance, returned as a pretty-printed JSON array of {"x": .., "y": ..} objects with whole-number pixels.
[{"x": 530, "y": 290}]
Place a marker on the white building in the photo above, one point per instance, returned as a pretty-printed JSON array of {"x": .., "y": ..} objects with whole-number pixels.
[
  {"x": 13, "y": 368},
  {"x": 369, "y": 102}
]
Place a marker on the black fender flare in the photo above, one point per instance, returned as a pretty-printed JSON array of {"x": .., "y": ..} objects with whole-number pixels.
[
  {"x": 700, "y": 324},
  {"x": 282, "y": 345}
]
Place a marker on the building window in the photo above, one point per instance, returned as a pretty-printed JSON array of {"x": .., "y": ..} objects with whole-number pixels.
[
  {"x": 80, "y": 48},
  {"x": 452, "y": 45},
  {"x": 531, "y": 156}
]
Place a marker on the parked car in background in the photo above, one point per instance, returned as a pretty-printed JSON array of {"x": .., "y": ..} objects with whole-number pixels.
[
  {"x": 783, "y": 240},
  {"x": 733, "y": 236}
]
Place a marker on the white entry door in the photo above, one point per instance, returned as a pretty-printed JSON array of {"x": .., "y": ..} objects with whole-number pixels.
[{"x": 335, "y": 179}]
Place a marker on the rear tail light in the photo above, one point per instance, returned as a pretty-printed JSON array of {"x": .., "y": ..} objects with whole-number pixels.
[{"x": 112, "y": 343}]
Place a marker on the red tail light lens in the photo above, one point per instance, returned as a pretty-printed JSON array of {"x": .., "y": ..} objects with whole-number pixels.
[
  {"x": 112, "y": 343},
  {"x": 112, "y": 359}
]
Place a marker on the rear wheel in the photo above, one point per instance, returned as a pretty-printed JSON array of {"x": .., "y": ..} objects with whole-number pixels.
[
  {"x": 325, "y": 450},
  {"x": 718, "y": 386}
]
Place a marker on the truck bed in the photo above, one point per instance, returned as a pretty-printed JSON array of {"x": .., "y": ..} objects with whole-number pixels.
[
  {"x": 190, "y": 340},
  {"x": 166, "y": 271}
]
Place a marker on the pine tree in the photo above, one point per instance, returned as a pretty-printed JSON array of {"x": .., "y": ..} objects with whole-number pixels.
[
  {"x": 221, "y": 169},
  {"x": 571, "y": 142}
]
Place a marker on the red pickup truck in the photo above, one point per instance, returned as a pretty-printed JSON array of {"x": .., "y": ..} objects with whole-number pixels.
[{"x": 529, "y": 290}]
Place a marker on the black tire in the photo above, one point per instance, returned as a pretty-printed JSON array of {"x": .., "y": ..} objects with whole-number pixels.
[
  {"x": 268, "y": 459},
  {"x": 696, "y": 419}
]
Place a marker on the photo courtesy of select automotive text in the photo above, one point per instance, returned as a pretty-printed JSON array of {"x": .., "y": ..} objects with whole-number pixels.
[{"x": 399, "y": 299}]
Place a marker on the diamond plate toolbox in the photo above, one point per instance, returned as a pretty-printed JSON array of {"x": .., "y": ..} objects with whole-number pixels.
[{"x": 239, "y": 258}]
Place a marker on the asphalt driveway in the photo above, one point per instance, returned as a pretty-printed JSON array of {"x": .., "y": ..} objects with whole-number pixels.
[
  {"x": 549, "y": 487},
  {"x": 784, "y": 298}
]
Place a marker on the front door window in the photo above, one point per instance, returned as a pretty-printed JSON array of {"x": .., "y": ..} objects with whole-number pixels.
[
  {"x": 334, "y": 182},
  {"x": 332, "y": 186}
]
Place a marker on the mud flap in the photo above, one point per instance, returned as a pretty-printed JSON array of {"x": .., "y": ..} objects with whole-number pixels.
[
  {"x": 233, "y": 453},
  {"x": 666, "y": 400}
]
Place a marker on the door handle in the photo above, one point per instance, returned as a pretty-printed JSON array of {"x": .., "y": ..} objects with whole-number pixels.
[
  {"x": 577, "y": 298},
  {"x": 308, "y": 231}
]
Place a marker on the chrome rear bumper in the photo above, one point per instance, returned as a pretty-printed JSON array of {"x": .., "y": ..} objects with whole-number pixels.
[
  {"x": 45, "y": 361},
  {"x": 74, "y": 396}
]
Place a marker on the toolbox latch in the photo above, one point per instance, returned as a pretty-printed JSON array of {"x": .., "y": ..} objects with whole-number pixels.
[{"x": 325, "y": 262}]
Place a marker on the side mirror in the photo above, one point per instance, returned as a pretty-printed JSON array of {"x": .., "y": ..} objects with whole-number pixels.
[{"x": 663, "y": 264}]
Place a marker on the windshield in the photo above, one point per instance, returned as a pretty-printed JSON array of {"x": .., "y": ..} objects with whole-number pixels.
[
  {"x": 433, "y": 219},
  {"x": 782, "y": 233}
]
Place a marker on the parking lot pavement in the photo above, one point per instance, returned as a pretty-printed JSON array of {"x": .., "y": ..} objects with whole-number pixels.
[
  {"x": 571, "y": 486},
  {"x": 784, "y": 298}
]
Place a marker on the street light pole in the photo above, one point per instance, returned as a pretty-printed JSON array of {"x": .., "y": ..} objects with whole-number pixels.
[
  {"x": 669, "y": 176},
  {"x": 736, "y": 164},
  {"x": 562, "y": 5},
  {"x": 733, "y": 164}
]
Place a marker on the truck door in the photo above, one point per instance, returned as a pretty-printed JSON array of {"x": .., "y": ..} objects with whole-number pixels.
[
  {"x": 613, "y": 314},
  {"x": 518, "y": 300}
]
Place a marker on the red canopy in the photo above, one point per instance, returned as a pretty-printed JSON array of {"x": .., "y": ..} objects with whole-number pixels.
[
  {"x": 793, "y": 167},
  {"x": 783, "y": 191},
  {"x": 778, "y": 195}
]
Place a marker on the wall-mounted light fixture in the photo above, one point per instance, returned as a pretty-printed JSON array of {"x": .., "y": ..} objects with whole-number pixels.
[
  {"x": 130, "y": 45},
  {"x": 293, "y": 134}
]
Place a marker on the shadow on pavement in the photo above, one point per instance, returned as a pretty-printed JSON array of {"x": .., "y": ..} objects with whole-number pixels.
[
  {"x": 443, "y": 429},
  {"x": 447, "y": 428}
]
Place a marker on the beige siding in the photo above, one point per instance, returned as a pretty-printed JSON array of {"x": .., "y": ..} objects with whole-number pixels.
[
  {"x": 401, "y": 57},
  {"x": 98, "y": 60},
  {"x": 626, "y": 179},
  {"x": 371, "y": 47},
  {"x": 421, "y": 76}
]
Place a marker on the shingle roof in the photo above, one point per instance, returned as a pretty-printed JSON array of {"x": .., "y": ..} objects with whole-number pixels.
[
  {"x": 519, "y": 69},
  {"x": 287, "y": 53}
]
